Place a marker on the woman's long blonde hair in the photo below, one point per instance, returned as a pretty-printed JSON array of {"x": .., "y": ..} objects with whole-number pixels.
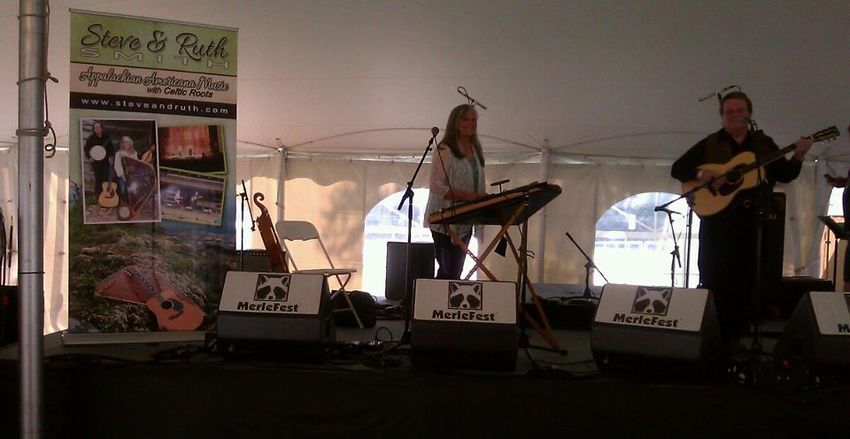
[{"x": 450, "y": 134}]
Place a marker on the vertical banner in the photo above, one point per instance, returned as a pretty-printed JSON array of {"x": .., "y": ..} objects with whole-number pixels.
[{"x": 152, "y": 167}]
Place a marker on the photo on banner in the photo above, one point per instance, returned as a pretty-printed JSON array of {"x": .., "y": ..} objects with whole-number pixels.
[
  {"x": 153, "y": 140},
  {"x": 196, "y": 148},
  {"x": 192, "y": 197},
  {"x": 120, "y": 171}
]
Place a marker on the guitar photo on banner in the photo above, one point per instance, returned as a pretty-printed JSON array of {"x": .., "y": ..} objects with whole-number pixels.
[
  {"x": 174, "y": 309},
  {"x": 741, "y": 172}
]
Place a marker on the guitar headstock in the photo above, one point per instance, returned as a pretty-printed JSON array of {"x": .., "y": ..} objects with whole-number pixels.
[{"x": 825, "y": 135}]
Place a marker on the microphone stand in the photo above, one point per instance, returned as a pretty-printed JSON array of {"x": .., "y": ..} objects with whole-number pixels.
[
  {"x": 688, "y": 235},
  {"x": 674, "y": 255},
  {"x": 244, "y": 197},
  {"x": 762, "y": 214},
  {"x": 408, "y": 283},
  {"x": 587, "y": 297},
  {"x": 2, "y": 249}
]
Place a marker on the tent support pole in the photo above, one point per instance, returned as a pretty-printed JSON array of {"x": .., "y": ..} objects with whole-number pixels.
[
  {"x": 32, "y": 73},
  {"x": 545, "y": 162},
  {"x": 281, "y": 184}
]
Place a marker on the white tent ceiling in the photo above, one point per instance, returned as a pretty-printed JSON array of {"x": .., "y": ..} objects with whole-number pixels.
[{"x": 595, "y": 78}]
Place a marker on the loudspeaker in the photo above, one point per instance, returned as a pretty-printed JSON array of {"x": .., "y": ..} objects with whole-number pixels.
[
  {"x": 773, "y": 241},
  {"x": 275, "y": 307},
  {"x": 8, "y": 315},
  {"x": 783, "y": 299},
  {"x": 652, "y": 328},
  {"x": 421, "y": 267},
  {"x": 818, "y": 332},
  {"x": 464, "y": 324},
  {"x": 254, "y": 260}
]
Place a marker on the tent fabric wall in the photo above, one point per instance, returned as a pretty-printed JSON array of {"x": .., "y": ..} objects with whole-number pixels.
[
  {"x": 336, "y": 195},
  {"x": 56, "y": 192}
]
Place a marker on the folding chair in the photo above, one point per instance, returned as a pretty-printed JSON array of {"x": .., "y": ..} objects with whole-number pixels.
[{"x": 306, "y": 231}]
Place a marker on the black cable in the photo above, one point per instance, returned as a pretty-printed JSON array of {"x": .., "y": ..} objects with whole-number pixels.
[{"x": 384, "y": 328}]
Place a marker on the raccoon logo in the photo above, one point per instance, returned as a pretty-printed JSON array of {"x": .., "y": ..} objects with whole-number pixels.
[
  {"x": 655, "y": 301},
  {"x": 465, "y": 295},
  {"x": 272, "y": 287}
]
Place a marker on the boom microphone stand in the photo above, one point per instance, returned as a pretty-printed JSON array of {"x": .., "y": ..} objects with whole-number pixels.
[
  {"x": 408, "y": 195},
  {"x": 674, "y": 255},
  {"x": 587, "y": 297},
  {"x": 688, "y": 235}
]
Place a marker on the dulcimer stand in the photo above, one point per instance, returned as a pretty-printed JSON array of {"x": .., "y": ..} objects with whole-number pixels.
[{"x": 506, "y": 209}]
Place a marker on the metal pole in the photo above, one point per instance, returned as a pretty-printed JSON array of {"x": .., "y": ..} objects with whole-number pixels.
[
  {"x": 281, "y": 185},
  {"x": 31, "y": 83},
  {"x": 545, "y": 162}
]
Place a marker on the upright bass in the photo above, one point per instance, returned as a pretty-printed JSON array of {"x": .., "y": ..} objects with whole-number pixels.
[{"x": 277, "y": 256}]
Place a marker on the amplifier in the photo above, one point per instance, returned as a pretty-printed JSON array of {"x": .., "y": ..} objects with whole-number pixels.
[{"x": 8, "y": 315}]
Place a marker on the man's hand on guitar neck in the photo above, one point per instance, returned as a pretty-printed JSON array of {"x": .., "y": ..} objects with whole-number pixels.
[{"x": 801, "y": 147}]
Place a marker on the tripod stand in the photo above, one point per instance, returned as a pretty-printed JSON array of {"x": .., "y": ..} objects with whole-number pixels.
[{"x": 587, "y": 298}]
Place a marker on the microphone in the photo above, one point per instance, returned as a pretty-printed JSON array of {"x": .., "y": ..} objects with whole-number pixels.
[
  {"x": 434, "y": 132},
  {"x": 666, "y": 210},
  {"x": 751, "y": 124},
  {"x": 472, "y": 101}
]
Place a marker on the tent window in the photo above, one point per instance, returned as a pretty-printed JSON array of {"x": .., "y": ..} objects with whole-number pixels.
[
  {"x": 385, "y": 223},
  {"x": 634, "y": 243}
]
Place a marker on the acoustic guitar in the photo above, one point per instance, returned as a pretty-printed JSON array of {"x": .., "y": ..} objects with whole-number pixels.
[
  {"x": 108, "y": 197},
  {"x": 741, "y": 172},
  {"x": 173, "y": 312}
]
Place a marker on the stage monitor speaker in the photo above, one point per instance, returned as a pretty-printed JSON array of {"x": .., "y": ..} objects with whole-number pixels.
[
  {"x": 254, "y": 260},
  {"x": 649, "y": 328},
  {"x": 8, "y": 315},
  {"x": 818, "y": 332},
  {"x": 465, "y": 324},
  {"x": 257, "y": 308},
  {"x": 421, "y": 267}
]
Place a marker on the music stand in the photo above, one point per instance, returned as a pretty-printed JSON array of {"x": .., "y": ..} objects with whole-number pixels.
[{"x": 839, "y": 231}]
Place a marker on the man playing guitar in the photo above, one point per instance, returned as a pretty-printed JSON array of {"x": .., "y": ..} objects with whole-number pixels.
[{"x": 728, "y": 240}]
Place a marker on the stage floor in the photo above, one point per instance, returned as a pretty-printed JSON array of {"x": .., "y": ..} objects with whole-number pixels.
[{"x": 179, "y": 390}]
